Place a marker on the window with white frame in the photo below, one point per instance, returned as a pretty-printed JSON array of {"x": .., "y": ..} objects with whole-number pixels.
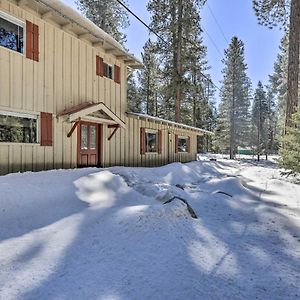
[
  {"x": 18, "y": 128},
  {"x": 182, "y": 144},
  {"x": 11, "y": 33},
  {"x": 108, "y": 71},
  {"x": 151, "y": 141}
]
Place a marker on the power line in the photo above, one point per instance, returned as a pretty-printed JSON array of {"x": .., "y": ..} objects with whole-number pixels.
[
  {"x": 139, "y": 19},
  {"x": 218, "y": 24},
  {"x": 213, "y": 42},
  {"x": 154, "y": 32}
]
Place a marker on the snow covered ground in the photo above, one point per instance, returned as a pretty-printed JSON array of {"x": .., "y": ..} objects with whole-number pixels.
[{"x": 106, "y": 234}]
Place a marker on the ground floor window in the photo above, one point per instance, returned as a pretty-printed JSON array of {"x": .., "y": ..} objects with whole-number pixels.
[
  {"x": 151, "y": 141},
  {"x": 18, "y": 128},
  {"x": 183, "y": 144}
]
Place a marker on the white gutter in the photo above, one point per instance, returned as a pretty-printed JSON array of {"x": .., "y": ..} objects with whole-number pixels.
[{"x": 167, "y": 122}]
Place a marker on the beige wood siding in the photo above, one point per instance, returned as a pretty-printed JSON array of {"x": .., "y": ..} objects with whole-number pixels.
[{"x": 64, "y": 77}]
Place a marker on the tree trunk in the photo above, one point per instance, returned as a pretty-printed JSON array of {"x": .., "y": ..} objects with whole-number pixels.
[
  {"x": 293, "y": 62},
  {"x": 156, "y": 105},
  {"x": 259, "y": 130},
  {"x": 194, "y": 102},
  {"x": 232, "y": 123},
  {"x": 174, "y": 58},
  {"x": 258, "y": 143},
  {"x": 148, "y": 92},
  {"x": 179, "y": 64}
]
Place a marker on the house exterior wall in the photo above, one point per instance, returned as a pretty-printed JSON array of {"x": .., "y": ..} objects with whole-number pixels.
[
  {"x": 65, "y": 76},
  {"x": 131, "y": 136}
]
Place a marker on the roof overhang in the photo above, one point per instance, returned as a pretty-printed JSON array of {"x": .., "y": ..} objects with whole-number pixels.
[
  {"x": 91, "y": 112},
  {"x": 71, "y": 20},
  {"x": 197, "y": 130}
]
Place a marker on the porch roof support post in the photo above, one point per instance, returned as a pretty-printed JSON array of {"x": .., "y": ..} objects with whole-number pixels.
[
  {"x": 116, "y": 127},
  {"x": 72, "y": 129}
]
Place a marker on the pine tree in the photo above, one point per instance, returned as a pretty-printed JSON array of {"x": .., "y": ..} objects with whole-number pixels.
[
  {"x": 134, "y": 101},
  {"x": 278, "y": 90},
  {"x": 272, "y": 122},
  {"x": 178, "y": 23},
  {"x": 260, "y": 117},
  {"x": 233, "y": 123},
  {"x": 149, "y": 80},
  {"x": 278, "y": 82},
  {"x": 273, "y": 12},
  {"x": 109, "y": 15},
  {"x": 290, "y": 154}
]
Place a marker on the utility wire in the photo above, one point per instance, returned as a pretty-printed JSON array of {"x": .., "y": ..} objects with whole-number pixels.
[
  {"x": 213, "y": 42},
  {"x": 139, "y": 19},
  {"x": 154, "y": 32},
  {"x": 218, "y": 24}
]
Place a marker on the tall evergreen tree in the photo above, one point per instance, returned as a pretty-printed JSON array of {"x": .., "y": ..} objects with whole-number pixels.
[
  {"x": 272, "y": 121},
  {"x": 134, "y": 101},
  {"x": 260, "y": 115},
  {"x": 233, "y": 123},
  {"x": 149, "y": 80},
  {"x": 290, "y": 154},
  {"x": 270, "y": 13},
  {"x": 278, "y": 82},
  {"x": 178, "y": 23},
  {"x": 108, "y": 15}
]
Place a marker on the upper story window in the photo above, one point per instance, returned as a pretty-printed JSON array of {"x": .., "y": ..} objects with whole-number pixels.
[
  {"x": 11, "y": 33},
  {"x": 108, "y": 71},
  {"x": 18, "y": 128}
]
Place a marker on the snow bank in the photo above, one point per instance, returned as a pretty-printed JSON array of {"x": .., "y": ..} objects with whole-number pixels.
[{"x": 105, "y": 233}]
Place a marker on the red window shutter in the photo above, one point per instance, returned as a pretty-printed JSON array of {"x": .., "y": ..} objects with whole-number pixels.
[
  {"x": 188, "y": 144},
  {"x": 159, "y": 141},
  {"x": 46, "y": 129},
  {"x": 36, "y": 50},
  {"x": 101, "y": 67},
  {"x": 97, "y": 65},
  {"x": 117, "y": 74},
  {"x": 32, "y": 41},
  {"x": 143, "y": 141},
  {"x": 176, "y": 143},
  {"x": 29, "y": 40},
  {"x": 49, "y": 130}
]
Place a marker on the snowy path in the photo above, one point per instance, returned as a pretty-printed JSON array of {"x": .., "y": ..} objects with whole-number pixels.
[{"x": 105, "y": 233}]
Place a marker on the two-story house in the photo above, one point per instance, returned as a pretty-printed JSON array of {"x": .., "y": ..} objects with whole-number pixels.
[{"x": 63, "y": 96}]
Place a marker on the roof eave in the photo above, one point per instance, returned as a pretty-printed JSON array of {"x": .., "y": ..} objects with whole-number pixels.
[
  {"x": 171, "y": 123},
  {"x": 98, "y": 36}
]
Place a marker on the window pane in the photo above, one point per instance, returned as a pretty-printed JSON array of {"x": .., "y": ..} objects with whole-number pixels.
[
  {"x": 84, "y": 137},
  {"x": 11, "y": 35},
  {"x": 151, "y": 142},
  {"x": 18, "y": 129},
  {"x": 105, "y": 69},
  {"x": 182, "y": 145},
  {"x": 92, "y": 137},
  {"x": 110, "y": 72}
]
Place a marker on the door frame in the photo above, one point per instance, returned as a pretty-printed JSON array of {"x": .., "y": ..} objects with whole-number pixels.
[{"x": 99, "y": 142}]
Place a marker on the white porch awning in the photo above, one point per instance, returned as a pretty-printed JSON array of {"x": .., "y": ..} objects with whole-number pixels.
[{"x": 91, "y": 112}]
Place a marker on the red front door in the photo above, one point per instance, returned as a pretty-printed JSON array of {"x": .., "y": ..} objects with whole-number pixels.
[{"x": 88, "y": 144}]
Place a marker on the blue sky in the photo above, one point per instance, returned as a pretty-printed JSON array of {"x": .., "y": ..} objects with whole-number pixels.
[{"x": 236, "y": 17}]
